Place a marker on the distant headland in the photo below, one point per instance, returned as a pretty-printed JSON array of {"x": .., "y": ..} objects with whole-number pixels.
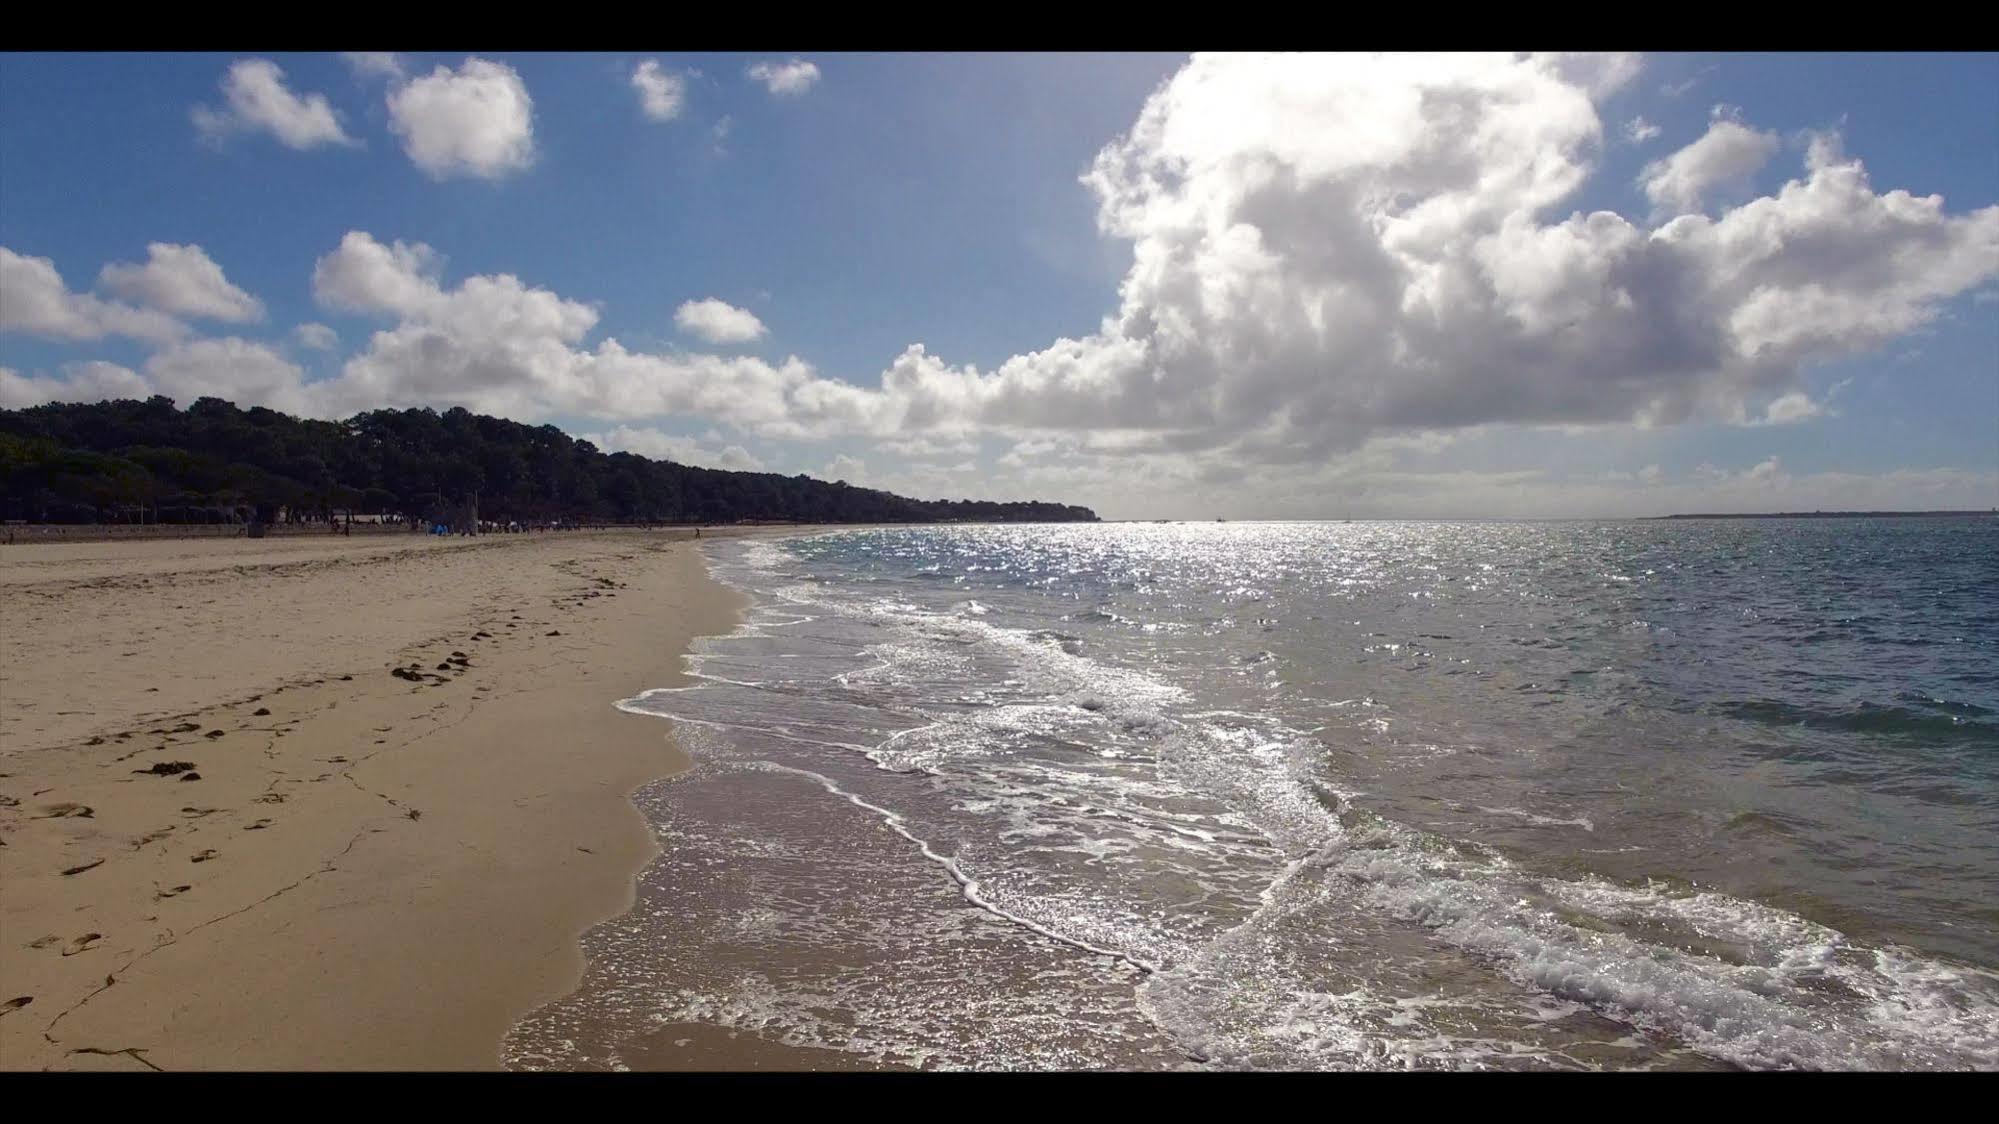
[{"x": 1987, "y": 514}]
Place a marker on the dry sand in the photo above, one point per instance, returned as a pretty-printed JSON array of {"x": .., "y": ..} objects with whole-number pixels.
[{"x": 371, "y": 872}]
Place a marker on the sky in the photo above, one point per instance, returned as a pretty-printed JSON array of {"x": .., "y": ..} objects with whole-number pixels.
[{"x": 1241, "y": 286}]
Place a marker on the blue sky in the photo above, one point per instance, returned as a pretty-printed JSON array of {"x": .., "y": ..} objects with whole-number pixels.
[{"x": 884, "y": 201}]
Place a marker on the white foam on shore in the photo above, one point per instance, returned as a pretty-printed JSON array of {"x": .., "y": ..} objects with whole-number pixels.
[
  {"x": 1535, "y": 818},
  {"x": 966, "y": 882}
]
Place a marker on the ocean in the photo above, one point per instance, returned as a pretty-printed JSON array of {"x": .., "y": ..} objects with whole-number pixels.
[{"x": 1363, "y": 795}]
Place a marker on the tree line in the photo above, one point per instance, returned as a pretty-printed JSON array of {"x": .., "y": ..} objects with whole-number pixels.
[{"x": 128, "y": 461}]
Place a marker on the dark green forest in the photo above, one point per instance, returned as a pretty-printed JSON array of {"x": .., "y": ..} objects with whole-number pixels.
[{"x": 132, "y": 462}]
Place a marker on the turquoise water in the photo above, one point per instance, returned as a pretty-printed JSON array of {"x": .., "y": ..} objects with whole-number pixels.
[{"x": 1332, "y": 795}]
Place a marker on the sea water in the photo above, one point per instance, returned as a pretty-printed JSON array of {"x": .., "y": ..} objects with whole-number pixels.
[{"x": 1580, "y": 795}]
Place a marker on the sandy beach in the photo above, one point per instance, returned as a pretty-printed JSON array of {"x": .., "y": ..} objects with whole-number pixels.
[{"x": 322, "y": 803}]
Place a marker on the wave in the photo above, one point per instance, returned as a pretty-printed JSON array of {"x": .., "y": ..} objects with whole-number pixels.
[{"x": 1960, "y": 722}]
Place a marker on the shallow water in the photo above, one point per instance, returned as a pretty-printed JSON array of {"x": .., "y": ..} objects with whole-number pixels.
[{"x": 1328, "y": 795}]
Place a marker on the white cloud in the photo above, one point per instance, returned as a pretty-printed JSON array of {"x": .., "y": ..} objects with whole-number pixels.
[
  {"x": 375, "y": 64},
  {"x": 477, "y": 120},
  {"x": 1599, "y": 73},
  {"x": 738, "y": 459},
  {"x": 318, "y": 337},
  {"x": 718, "y": 322},
  {"x": 1638, "y": 130},
  {"x": 1796, "y": 406},
  {"x": 853, "y": 470},
  {"x": 930, "y": 448},
  {"x": 182, "y": 280},
  {"x": 363, "y": 275},
  {"x": 498, "y": 345},
  {"x": 653, "y": 443},
  {"x": 785, "y": 78},
  {"x": 246, "y": 373},
  {"x": 257, "y": 100},
  {"x": 661, "y": 94},
  {"x": 1680, "y": 88},
  {"x": 658, "y": 445},
  {"x": 34, "y": 300},
  {"x": 1727, "y": 154},
  {"x": 80, "y": 382}
]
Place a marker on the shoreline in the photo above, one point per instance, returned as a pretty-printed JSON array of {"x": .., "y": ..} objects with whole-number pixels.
[{"x": 372, "y": 872}]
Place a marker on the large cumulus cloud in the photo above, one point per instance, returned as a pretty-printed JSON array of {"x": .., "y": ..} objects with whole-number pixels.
[{"x": 1331, "y": 249}]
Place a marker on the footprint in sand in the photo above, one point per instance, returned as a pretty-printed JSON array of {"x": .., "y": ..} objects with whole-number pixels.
[
  {"x": 177, "y": 891},
  {"x": 81, "y": 944},
  {"x": 204, "y": 856},
  {"x": 66, "y": 808},
  {"x": 258, "y": 826}
]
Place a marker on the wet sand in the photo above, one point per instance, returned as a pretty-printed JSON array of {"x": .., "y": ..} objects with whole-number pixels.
[{"x": 373, "y": 870}]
